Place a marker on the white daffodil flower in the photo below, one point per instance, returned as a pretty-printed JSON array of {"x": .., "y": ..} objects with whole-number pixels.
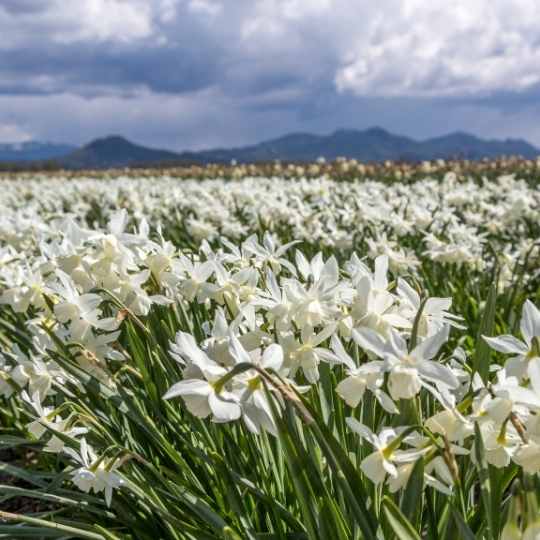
[
  {"x": 47, "y": 419},
  {"x": 277, "y": 307},
  {"x": 81, "y": 310},
  {"x": 504, "y": 396},
  {"x": 411, "y": 371},
  {"x": 94, "y": 474},
  {"x": 526, "y": 359},
  {"x": 378, "y": 464},
  {"x": 372, "y": 305},
  {"x": 160, "y": 260},
  {"x": 232, "y": 287},
  {"x": 368, "y": 376},
  {"x": 192, "y": 278},
  {"x": 527, "y": 456},
  {"x": 269, "y": 253},
  {"x": 434, "y": 313},
  {"x": 307, "y": 354},
  {"x": 29, "y": 292},
  {"x": 451, "y": 424},
  {"x": 256, "y": 409},
  {"x": 500, "y": 443},
  {"x": 382, "y": 461},
  {"x": 34, "y": 371},
  {"x": 201, "y": 395}
]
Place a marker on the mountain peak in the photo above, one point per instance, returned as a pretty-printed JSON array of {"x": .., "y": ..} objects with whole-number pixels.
[
  {"x": 377, "y": 131},
  {"x": 109, "y": 140},
  {"x": 115, "y": 151},
  {"x": 458, "y": 135}
]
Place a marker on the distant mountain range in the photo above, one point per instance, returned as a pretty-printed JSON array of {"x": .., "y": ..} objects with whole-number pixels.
[{"x": 374, "y": 144}]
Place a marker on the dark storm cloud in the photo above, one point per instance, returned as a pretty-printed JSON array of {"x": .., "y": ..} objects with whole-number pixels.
[
  {"x": 509, "y": 102},
  {"x": 24, "y": 6},
  {"x": 91, "y": 70}
]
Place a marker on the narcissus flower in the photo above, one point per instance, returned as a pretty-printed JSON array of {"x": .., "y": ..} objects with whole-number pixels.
[
  {"x": 526, "y": 359},
  {"x": 382, "y": 461},
  {"x": 202, "y": 395},
  {"x": 94, "y": 474}
]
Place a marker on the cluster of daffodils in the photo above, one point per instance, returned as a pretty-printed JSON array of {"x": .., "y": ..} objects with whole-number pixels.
[
  {"x": 274, "y": 315},
  {"x": 449, "y": 220},
  {"x": 274, "y": 319}
]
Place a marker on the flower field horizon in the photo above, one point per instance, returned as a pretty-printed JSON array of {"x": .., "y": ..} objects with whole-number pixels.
[{"x": 327, "y": 351}]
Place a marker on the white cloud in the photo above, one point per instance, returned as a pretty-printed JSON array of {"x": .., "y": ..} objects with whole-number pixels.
[
  {"x": 69, "y": 22},
  {"x": 205, "y": 7},
  {"x": 441, "y": 48},
  {"x": 103, "y": 20},
  {"x": 404, "y": 47},
  {"x": 167, "y": 10}
]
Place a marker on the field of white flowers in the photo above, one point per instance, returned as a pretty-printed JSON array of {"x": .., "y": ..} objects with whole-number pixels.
[{"x": 270, "y": 358}]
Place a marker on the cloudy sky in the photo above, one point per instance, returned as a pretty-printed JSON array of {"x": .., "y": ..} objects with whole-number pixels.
[{"x": 202, "y": 73}]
